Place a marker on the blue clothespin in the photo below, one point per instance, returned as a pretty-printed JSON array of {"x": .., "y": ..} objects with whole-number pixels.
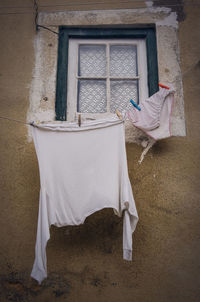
[{"x": 135, "y": 105}]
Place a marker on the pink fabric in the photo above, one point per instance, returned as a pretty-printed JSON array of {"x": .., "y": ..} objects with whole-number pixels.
[{"x": 155, "y": 115}]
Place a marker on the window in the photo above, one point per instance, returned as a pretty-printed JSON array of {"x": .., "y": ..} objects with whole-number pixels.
[
  {"x": 104, "y": 75},
  {"x": 99, "y": 70}
]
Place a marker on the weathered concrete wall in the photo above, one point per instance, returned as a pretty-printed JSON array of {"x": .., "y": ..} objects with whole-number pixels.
[{"x": 85, "y": 262}]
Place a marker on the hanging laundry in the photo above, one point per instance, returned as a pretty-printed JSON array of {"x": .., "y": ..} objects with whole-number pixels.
[
  {"x": 82, "y": 170},
  {"x": 155, "y": 115}
]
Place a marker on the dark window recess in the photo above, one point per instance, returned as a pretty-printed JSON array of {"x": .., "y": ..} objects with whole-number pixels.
[{"x": 66, "y": 33}]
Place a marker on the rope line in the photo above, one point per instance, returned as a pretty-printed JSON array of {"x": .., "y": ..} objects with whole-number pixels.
[
  {"x": 14, "y": 120},
  {"x": 44, "y": 27},
  {"x": 15, "y": 13},
  {"x": 43, "y": 127}
]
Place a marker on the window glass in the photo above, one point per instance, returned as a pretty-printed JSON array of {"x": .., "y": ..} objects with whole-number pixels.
[
  {"x": 91, "y": 96},
  {"x": 92, "y": 60},
  {"x": 123, "y": 60},
  {"x": 104, "y": 74},
  {"x": 121, "y": 92}
]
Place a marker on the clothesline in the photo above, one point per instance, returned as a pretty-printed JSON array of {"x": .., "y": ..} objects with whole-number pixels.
[
  {"x": 153, "y": 116},
  {"x": 14, "y": 120},
  {"x": 37, "y": 124},
  {"x": 118, "y": 113}
]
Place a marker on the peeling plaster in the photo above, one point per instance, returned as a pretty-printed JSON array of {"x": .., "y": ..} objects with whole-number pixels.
[
  {"x": 46, "y": 43},
  {"x": 175, "y": 6},
  {"x": 170, "y": 20},
  {"x": 43, "y": 79},
  {"x": 104, "y": 17}
]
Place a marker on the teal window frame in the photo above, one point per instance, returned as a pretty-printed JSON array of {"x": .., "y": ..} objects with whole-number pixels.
[{"x": 66, "y": 33}]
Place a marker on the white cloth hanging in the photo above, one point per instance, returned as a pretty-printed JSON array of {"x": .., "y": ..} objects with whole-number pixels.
[
  {"x": 82, "y": 170},
  {"x": 155, "y": 115}
]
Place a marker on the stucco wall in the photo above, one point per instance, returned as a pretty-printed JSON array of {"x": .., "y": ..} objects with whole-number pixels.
[{"x": 85, "y": 262}]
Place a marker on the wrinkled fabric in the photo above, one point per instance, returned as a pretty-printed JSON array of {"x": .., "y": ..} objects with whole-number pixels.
[
  {"x": 82, "y": 170},
  {"x": 155, "y": 115}
]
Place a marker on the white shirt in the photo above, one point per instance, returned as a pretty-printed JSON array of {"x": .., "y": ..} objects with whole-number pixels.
[{"x": 82, "y": 170}]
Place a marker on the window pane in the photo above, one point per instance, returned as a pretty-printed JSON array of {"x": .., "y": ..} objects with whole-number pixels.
[
  {"x": 121, "y": 93},
  {"x": 92, "y": 60},
  {"x": 91, "y": 96},
  {"x": 123, "y": 60}
]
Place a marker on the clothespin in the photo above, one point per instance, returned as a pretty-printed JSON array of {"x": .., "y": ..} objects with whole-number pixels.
[
  {"x": 34, "y": 123},
  {"x": 163, "y": 86},
  {"x": 118, "y": 114},
  {"x": 79, "y": 120},
  {"x": 135, "y": 105}
]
